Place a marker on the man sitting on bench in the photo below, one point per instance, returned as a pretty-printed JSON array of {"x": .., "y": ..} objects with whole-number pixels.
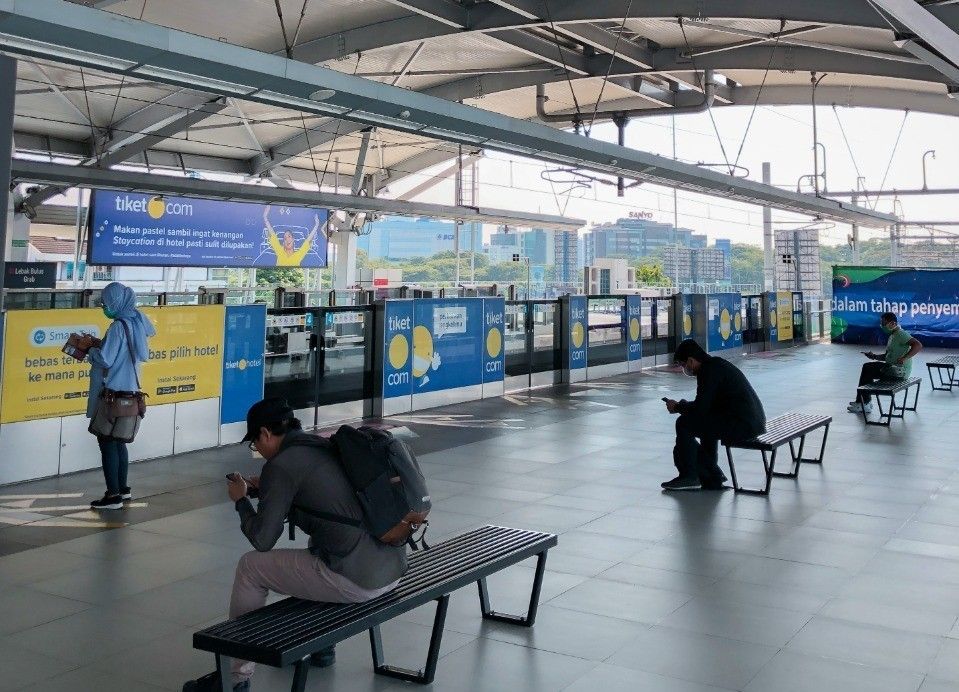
[
  {"x": 726, "y": 408},
  {"x": 344, "y": 564},
  {"x": 894, "y": 364}
]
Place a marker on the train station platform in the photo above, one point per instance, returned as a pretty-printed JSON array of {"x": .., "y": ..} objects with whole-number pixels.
[{"x": 845, "y": 579}]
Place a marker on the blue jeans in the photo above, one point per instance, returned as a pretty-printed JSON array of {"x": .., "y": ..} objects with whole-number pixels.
[{"x": 115, "y": 460}]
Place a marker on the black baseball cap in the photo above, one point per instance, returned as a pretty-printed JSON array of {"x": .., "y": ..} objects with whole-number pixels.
[{"x": 265, "y": 413}]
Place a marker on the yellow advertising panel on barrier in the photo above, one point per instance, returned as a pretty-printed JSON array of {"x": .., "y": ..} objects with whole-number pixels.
[
  {"x": 39, "y": 381},
  {"x": 784, "y": 315}
]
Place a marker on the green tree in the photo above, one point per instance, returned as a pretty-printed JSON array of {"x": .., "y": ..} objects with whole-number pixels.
[
  {"x": 747, "y": 264},
  {"x": 280, "y": 276},
  {"x": 649, "y": 272}
]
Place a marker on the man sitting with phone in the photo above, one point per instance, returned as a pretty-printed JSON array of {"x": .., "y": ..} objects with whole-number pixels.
[
  {"x": 344, "y": 563},
  {"x": 726, "y": 407},
  {"x": 894, "y": 364}
]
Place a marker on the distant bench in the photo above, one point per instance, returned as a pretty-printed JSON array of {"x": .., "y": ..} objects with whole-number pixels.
[
  {"x": 947, "y": 364},
  {"x": 781, "y": 430},
  {"x": 290, "y": 631},
  {"x": 890, "y": 388}
]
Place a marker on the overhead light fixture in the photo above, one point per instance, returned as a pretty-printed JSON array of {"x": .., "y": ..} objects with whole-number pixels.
[{"x": 322, "y": 94}]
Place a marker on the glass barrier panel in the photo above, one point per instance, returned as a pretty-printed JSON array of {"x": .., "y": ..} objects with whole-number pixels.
[
  {"x": 606, "y": 321},
  {"x": 290, "y": 359},
  {"x": 345, "y": 374},
  {"x": 546, "y": 347},
  {"x": 517, "y": 355}
]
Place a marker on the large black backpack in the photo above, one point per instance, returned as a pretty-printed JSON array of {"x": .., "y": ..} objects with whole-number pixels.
[{"x": 388, "y": 483}]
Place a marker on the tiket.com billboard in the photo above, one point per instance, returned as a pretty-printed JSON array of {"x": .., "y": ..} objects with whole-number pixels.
[
  {"x": 448, "y": 344},
  {"x": 244, "y": 343},
  {"x": 39, "y": 381},
  {"x": 926, "y": 302},
  {"x": 137, "y": 229},
  {"x": 494, "y": 344},
  {"x": 634, "y": 328},
  {"x": 578, "y": 332}
]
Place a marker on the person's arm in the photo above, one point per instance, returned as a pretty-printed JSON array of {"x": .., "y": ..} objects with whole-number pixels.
[
  {"x": 297, "y": 257},
  {"x": 105, "y": 356},
  {"x": 706, "y": 390},
  {"x": 263, "y": 525},
  {"x": 914, "y": 347},
  {"x": 271, "y": 235}
]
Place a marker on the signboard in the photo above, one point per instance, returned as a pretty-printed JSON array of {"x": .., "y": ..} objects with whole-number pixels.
[
  {"x": 725, "y": 325},
  {"x": 926, "y": 302},
  {"x": 577, "y": 332},
  {"x": 144, "y": 230},
  {"x": 634, "y": 327},
  {"x": 687, "y": 316},
  {"x": 448, "y": 344},
  {"x": 244, "y": 342},
  {"x": 784, "y": 315},
  {"x": 30, "y": 275},
  {"x": 397, "y": 349},
  {"x": 773, "y": 315},
  {"x": 494, "y": 342},
  {"x": 41, "y": 382}
]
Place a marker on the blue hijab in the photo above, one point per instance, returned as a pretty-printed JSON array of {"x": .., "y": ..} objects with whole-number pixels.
[{"x": 121, "y": 301}]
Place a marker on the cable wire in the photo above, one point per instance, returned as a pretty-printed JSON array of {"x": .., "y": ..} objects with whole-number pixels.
[
  {"x": 609, "y": 67},
  {"x": 759, "y": 93},
  {"x": 892, "y": 156},
  {"x": 562, "y": 59}
]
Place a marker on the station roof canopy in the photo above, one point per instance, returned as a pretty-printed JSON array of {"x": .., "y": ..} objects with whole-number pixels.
[{"x": 208, "y": 85}]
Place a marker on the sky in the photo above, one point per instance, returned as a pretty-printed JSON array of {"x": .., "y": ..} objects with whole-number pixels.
[{"x": 781, "y": 135}]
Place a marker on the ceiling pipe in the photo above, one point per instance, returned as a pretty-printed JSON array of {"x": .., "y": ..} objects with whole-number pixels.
[{"x": 709, "y": 95}]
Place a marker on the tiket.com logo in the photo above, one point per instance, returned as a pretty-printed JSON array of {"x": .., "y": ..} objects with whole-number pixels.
[{"x": 155, "y": 207}]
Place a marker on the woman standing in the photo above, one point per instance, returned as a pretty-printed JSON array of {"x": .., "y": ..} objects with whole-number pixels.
[{"x": 115, "y": 365}]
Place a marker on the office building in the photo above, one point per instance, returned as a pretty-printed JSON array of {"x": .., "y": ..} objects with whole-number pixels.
[
  {"x": 798, "y": 266},
  {"x": 609, "y": 276},
  {"x": 566, "y": 256},
  {"x": 635, "y": 238},
  {"x": 697, "y": 265}
]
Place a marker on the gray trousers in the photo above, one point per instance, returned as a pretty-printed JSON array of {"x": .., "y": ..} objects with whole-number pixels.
[{"x": 291, "y": 573}]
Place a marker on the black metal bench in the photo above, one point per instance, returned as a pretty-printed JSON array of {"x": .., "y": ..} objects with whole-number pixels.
[
  {"x": 889, "y": 388},
  {"x": 781, "y": 430},
  {"x": 288, "y": 632},
  {"x": 947, "y": 364}
]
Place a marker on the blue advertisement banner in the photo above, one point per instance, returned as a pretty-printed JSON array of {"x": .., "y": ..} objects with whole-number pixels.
[
  {"x": 577, "y": 332},
  {"x": 143, "y": 230},
  {"x": 773, "y": 316},
  {"x": 725, "y": 321},
  {"x": 397, "y": 349},
  {"x": 926, "y": 302},
  {"x": 634, "y": 327},
  {"x": 494, "y": 351},
  {"x": 448, "y": 344},
  {"x": 243, "y": 344}
]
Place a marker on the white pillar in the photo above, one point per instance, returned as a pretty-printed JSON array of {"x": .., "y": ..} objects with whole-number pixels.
[
  {"x": 344, "y": 271},
  {"x": 769, "y": 238}
]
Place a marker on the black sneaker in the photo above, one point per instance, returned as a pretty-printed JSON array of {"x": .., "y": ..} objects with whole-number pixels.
[
  {"x": 211, "y": 683},
  {"x": 324, "y": 658},
  {"x": 680, "y": 483},
  {"x": 125, "y": 494},
  {"x": 108, "y": 502}
]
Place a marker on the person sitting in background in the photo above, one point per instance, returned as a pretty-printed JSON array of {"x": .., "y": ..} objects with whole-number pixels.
[
  {"x": 894, "y": 364},
  {"x": 343, "y": 564},
  {"x": 726, "y": 408}
]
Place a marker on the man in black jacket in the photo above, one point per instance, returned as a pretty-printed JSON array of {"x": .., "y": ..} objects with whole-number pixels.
[
  {"x": 343, "y": 564},
  {"x": 725, "y": 408}
]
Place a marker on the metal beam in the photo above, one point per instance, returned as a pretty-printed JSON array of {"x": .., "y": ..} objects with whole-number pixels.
[
  {"x": 75, "y": 176},
  {"x": 931, "y": 58},
  {"x": 62, "y": 31},
  {"x": 442, "y": 11},
  {"x": 420, "y": 162},
  {"x": 924, "y": 24},
  {"x": 144, "y": 141},
  {"x": 545, "y": 50}
]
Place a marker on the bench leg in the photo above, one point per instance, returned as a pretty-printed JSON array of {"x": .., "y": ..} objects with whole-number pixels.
[
  {"x": 426, "y": 675},
  {"x": 885, "y": 419},
  {"x": 526, "y": 620},
  {"x": 822, "y": 449},
  {"x": 223, "y": 668},
  {"x": 732, "y": 468},
  {"x": 300, "y": 670},
  {"x": 796, "y": 459},
  {"x": 769, "y": 465},
  {"x": 915, "y": 400}
]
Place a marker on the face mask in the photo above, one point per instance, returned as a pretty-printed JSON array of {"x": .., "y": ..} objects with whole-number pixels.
[
  {"x": 886, "y": 329},
  {"x": 687, "y": 371},
  {"x": 110, "y": 314}
]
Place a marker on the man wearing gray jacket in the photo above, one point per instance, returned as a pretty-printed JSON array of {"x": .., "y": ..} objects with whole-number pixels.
[{"x": 343, "y": 564}]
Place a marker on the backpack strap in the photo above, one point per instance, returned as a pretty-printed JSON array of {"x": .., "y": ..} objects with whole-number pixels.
[
  {"x": 328, "y": 516},
  {"x": 133, "y": 359}
]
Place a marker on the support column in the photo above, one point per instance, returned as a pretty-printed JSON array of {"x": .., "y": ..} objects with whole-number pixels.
[
  {"x": 8, "y": 85},
  {"x": 855, "y": 235},
  {"x": 769, "y": 238},
  {"x": 894, "y": 244},
  {"x": 344, "y": 270}
]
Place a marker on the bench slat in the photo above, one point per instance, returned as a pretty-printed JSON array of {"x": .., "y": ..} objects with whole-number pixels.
[
  {"x": 889, "y": 386},
  {"x": 782, "y": 429},
  {"x": 945, "y": 360},
  {"x": 284, "y": 632}
]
